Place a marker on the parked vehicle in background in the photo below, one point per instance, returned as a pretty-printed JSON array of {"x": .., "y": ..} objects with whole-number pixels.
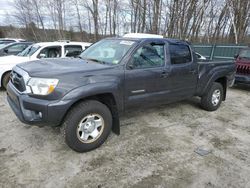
[
  {"x": 2, "y": 44},
  {"x": 14, "y": 48},
  {"x": 12, "y": 40},
  {"x": 200, "y": 57},
  {"x": 87, "y": 95},
  {"x": 242, "y": 61},
  {"x": 39, "y": 51}
]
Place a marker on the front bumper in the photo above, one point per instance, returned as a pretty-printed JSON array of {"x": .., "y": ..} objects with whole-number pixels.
[
  {"x": 244, "y": 79},
  {"x": 35, "y": 111}
]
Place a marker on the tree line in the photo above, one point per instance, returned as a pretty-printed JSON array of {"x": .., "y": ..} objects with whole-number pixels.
[{"x": 206, "y": 21}]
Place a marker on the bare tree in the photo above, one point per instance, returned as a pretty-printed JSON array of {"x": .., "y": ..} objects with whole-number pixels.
[
  {"x": 196, "y": 20},
  {"x": 93, "y": 8}
]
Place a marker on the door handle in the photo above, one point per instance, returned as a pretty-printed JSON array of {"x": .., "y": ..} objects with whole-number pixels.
[
  {"x": 192, "y": 71},
  {"x": 164, "y": 74}
]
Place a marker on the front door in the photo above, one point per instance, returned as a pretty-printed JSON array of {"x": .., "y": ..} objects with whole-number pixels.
[{"x": 145, "y": 74}]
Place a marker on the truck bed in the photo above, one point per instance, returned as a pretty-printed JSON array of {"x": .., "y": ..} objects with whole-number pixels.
[{"x": 207, "y": 69}]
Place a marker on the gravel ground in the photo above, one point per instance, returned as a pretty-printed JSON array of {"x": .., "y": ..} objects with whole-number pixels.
[{"x": 155, "y": 149}]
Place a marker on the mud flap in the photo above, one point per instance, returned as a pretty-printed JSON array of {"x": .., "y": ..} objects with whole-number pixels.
[{"x": 116, "y": 120}]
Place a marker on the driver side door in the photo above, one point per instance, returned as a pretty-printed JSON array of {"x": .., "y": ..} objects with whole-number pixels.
[{"x": 144, "y": 75}]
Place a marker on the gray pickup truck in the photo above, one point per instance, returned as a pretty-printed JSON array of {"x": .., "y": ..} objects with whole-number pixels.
[{"x": 86, "y": 96}]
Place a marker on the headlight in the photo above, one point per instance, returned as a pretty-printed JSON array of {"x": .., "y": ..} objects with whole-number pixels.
[{"x": 42, "y": 86}]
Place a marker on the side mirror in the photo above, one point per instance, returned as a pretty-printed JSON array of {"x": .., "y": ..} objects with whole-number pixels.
[
  {"x": 236, "y": 56},
  {"x": 6, "y": 51},
  {"x": 42, "y": 56},
  {"x": 130, "y": 66}
]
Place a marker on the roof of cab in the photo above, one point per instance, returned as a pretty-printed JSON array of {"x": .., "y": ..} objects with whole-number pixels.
[
  {"x": 141, "y": 35},
  {"x": 168, "y": 40},
  {"x": 148, "y": 37}
]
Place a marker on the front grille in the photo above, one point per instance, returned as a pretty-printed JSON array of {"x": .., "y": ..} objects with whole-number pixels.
[
  {"x": 18, "y": 81},
  {"x": 243, "y": 69}
]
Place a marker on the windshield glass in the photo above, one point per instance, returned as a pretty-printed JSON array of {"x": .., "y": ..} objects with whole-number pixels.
[
  {"x": 3, "y": 45},
  {"x": 29, "y": 51},
  {"x": 107, "y": 51},
  {"x": 245, "y": 54}
]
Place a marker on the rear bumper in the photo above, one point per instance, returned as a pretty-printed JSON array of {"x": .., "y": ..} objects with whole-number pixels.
[
  {"x": 244, "y": 79},
  {"x": 35, "y": 111}
]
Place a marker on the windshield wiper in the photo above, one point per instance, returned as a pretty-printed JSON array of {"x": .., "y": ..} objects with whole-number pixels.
[{"x": 96, "y": 60}]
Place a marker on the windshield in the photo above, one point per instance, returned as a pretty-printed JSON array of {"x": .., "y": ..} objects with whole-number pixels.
[
  {"x": 245, "y": 54},
  {"x": 29, "y": 51},
  {"x": 3, "y": 45},
  {"x": 107, "y": 51}
]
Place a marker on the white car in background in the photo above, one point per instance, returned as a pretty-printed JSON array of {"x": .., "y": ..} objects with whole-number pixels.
[
  {"x": 200, "y": 57},
  {"x": 38, "y": 51}
]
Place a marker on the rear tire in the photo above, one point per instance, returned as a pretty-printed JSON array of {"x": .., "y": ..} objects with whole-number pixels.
[
  {"x": 212, "y": 100},
  {"x": 6, "y": 78},
  {"x": 87, "y": 126}
]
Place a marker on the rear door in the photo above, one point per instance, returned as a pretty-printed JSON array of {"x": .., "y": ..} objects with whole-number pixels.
[
  {"x": 183, "y": 73},
  {"x": 144, "y": 75}
]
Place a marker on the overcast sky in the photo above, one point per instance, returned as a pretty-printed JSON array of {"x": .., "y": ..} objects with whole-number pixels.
[{"x": 5, "y": 8}]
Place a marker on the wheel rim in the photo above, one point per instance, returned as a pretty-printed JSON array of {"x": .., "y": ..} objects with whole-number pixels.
[
  {"x": 216, "y": 97},
  {"x": 90, "y": 128}
]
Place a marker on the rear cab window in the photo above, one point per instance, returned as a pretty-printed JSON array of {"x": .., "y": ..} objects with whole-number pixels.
[{"x": 180, "y": 54}]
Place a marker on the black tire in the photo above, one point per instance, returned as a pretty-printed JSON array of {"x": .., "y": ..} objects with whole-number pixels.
[
  {"x": 206, "y": 100},
  {"x": 6, "y": 78},
  {"x": 75, "y": 116}
]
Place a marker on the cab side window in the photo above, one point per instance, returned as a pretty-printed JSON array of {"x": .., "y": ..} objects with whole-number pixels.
[
  {"x": 180, "y": 54},
  {"x": 51, "y": 52},
  {"x": 148, "y": 56},
  {"x": 72, "y": 50}
]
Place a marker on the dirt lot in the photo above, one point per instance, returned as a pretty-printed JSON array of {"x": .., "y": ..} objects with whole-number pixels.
[{"x": 155, "y": 149}]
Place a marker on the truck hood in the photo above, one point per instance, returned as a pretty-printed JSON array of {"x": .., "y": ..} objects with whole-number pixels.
[
  {"x": 55, "y": 67},
  {"x": 12, "y": 59}
]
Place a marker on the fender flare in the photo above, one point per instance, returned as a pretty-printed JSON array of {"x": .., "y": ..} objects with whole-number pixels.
[{"x": 90, "y": 90}]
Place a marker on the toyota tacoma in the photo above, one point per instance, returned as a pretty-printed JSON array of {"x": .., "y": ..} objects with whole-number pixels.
[{"x": 86, "y": 96}]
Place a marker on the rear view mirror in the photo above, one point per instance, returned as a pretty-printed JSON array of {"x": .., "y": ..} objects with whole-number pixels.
[{"x": 130, "y": 66}]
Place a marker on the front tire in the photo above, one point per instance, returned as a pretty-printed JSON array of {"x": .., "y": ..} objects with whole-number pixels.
[
  {"x": 6, "y": 78},
  {"x": 87, "y": 126},
  {"x": 212, "y": 100}
]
